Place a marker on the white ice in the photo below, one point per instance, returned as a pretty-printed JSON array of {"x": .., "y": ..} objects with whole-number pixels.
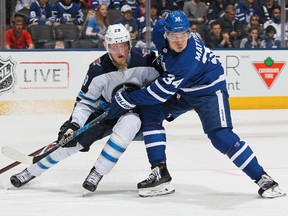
[{"x": 206, "y": 182}]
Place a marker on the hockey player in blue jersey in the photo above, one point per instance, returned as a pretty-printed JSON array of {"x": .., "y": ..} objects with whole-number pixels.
[
  {"x": 193, "y": 79},
  {"x": 122, "y": 67}
]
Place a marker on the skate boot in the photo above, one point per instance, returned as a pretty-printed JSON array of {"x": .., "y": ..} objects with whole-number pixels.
[
  {"x": 158, "y": 183},
  {"x": 268, "y": 187},
  {"x": 21, "y": 178},
  {"x": 92, "y": 180}
]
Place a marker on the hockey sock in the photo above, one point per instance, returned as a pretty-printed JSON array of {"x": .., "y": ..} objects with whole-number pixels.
[
  {"x": 155, "y": 142},
  {"x": 52, "y": 159},
  {"x": 123, "y": 133},
  {"x": 244, "y": 158},
  {"x": 110, "y": 154}
]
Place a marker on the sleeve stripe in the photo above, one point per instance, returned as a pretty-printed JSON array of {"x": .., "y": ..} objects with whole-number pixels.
[
  {"x": 163, "y": 89},
  {"x": 220, "y": 79},
  {"x": 155, "y": 95},
  {"x": 82, "y": 96}
]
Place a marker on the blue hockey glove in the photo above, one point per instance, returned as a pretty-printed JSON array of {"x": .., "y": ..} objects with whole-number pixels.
[
  {"x": 66, "y": 130},
  {"x": 119, "y": 106}
]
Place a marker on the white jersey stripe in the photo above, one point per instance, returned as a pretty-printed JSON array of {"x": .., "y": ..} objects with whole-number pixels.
[
  {"x": 155, "y": 144},
  {"x": 221, "y": 107},
  {"x": 239, "y": 152},
  {"x": 155, "y": 95},
  {"x": 163, "y": 89},
  {"x": 197, "y": 88},
  {"x": 147, "y": 133},
  {"x": 247, "y": 161}
]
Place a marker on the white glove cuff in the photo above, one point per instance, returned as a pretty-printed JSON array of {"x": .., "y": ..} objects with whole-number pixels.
[{"x": 123, "y": 102}]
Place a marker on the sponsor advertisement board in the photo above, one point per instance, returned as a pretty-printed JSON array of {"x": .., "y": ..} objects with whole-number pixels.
[{"x": 255, "y": 78}]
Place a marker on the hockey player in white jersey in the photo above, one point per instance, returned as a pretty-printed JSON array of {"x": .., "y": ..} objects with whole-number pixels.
[{"x": 122, "y": 67}]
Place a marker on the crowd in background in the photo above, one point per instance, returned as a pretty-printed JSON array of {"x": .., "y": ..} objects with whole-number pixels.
[{"x": 219, "y": 23}]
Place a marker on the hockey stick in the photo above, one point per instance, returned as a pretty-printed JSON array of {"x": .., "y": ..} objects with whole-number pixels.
[
  {"x": 16, "y": 163},
  {"x": 23, "y": 158}
]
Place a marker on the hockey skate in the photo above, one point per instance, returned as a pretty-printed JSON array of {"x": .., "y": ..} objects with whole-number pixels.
[
  {"x": 92, "y": 181},
  {"x": 21, "y": 178},
  {"x": 158, "y": 183},
  {"x": 268, "y": 187}
]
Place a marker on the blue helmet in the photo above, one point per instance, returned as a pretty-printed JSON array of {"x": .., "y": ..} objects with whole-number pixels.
[{"x": 176, "y": 21}]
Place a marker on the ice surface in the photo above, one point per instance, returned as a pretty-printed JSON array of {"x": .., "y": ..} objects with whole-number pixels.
[{"x": 206, "y": 182}]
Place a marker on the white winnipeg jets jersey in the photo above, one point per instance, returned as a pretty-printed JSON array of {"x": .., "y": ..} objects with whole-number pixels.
[{"x": 103, "y": 80}]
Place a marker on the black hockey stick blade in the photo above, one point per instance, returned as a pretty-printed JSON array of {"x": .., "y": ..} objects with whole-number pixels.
[{"x": 23, "y": 158}]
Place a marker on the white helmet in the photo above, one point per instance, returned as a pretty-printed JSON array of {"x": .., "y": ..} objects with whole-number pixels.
[{"x": 116, "y": 33}]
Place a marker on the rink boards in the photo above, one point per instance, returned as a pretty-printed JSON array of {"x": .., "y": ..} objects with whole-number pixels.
[{"x": 48, "y": 81}]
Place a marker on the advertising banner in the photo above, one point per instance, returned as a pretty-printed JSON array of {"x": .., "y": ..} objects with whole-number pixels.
[{"x": 50, "y": 80}]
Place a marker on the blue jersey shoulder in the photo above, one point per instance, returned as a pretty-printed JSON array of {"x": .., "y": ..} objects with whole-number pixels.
[{"x": 158, "y": 35}]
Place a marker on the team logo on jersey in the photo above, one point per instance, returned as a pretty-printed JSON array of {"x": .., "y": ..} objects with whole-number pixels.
[
  {"x": 7, "y": 76},
  {"x": 268, "y": 70},
  {"x": 127, "y": 87},
  {"x": 178, "y": 19}
]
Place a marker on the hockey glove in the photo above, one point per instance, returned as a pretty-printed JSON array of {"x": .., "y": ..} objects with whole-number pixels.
[
  {"x": 67, "y": 130},
  {"x": 119, "y": 105}
]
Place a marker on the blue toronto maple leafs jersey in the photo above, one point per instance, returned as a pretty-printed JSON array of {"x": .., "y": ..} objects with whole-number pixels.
[
  {"x": 71, "y": 13},
  {"x": 195, "y": 71}
]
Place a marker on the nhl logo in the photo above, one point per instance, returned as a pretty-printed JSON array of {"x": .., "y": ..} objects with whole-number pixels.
[{"x": 7, "y": 77}]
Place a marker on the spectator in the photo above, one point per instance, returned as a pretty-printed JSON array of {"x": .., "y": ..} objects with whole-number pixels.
[
  {"x": 154, "y": 16},
  {"x": 266, "y": 10},
  {"x": 140, "y": 10},
  {"x": 179, "y": 4},
  {"x": 251, "y": 41},
  {"x": 194, "y": 28},
  {"x": 216, "y": 10},
  {"x": 269, "y": 40},
  {"x": 41, "y": 13},
  {"x": 254, "y": 22},
  {"x": 232, "y": 26},
  {"x": 97, "y": 26},
  {"x": 233, "y": 2},
  {"x": 275, "y": 21},
  {"x": 128, "y": 21},
  {"x": 52, "y": 2},
  {"x": 142, "y": 43},
  {"x": 23, "y": 6},
  {"x": 109, "y": 3},
  {"x": 84, "y": 4},
  {"x": 17, "y": 37},
  {"x": 217, "y": 39},
  {"x": 196, "y": 11},
  {"x": 67, "y": 12},
  {"x": 245, "y": 9},
  {"x": 166, "y": 5},
  {"x": 132, "y": 3}
]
